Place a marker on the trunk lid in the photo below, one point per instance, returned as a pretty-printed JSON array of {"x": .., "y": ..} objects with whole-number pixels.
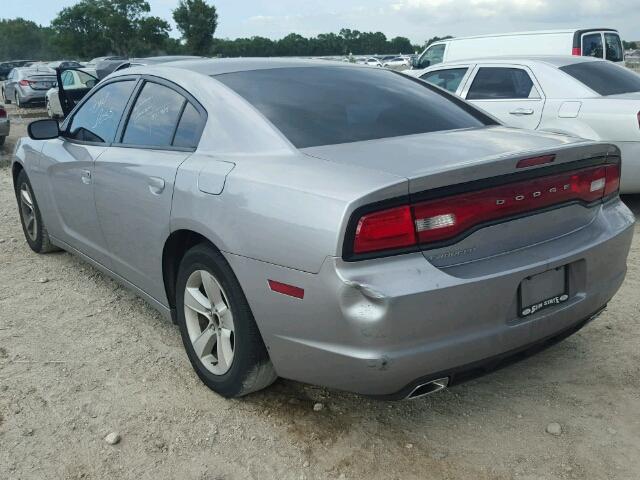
[{"x": 440, "y": 159}]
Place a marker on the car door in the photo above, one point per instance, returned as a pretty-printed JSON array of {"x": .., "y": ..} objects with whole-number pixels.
[
  {"x": 73, "y": 85},
  {"x": 450, "y": 79},
  {"x": 509, "y": 92},
  {"x": 134, "y": 181},
  {"x": 68, "y": 164}
]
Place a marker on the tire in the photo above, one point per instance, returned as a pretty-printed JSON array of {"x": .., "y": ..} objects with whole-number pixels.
[
  {"x": 18, "y": 102},
  {"x": 2, "y": 139},
  {"x": 49, "y": 112},
  {"x": 249, "y": 368},
  {"x": 36, "y": 235}
]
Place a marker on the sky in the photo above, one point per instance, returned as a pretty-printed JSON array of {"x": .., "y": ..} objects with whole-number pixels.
[{"x": 415, "y": 19}]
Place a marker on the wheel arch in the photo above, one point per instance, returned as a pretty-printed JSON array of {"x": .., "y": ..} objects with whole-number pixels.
[
  {"x": 175, "y": 247},
  {"x": 16, "y": 168}
]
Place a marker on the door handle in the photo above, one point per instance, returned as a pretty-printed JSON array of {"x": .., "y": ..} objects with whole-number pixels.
[
  {"x": 156, "y": 185},
  {"x": 85, "y": 175},
  {"x": 522, "y": 111}
]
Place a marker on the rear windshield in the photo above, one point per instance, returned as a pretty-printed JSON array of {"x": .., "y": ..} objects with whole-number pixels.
[
  {"x": 604, "y": 78},
  {"x": 314, "y": 106}
]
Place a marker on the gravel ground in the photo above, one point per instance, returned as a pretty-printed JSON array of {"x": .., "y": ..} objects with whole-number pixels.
[{"x": 81, "y": 357}]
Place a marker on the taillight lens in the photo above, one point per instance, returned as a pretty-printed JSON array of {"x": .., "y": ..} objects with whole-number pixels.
[
  {"x": 3, "y": 113},
  {"x": 446, "y": 218},
  {"x": 385, "y": 230},
  {"x": 613, "y": 180},
  {"x": 577, "y": 52},
  {"x": 24, "y": 83}
]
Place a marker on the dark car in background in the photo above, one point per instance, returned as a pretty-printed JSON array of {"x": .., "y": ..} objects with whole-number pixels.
[{"x": 6, "y": 67}]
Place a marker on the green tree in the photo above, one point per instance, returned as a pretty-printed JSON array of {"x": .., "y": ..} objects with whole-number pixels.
[
  {"x": 93, "y": 28},
  {"x": 197, "y": 21},
  {"x": 23, "y": 39}
]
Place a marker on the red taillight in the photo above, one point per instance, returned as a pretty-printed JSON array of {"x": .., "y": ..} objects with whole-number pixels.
[
  {"x": 613, "y": 180},
  {"x": 385, "y": 230},
  {"x": 535, "y": 161},
  {"x": 577, "y": 52},
  {"x": 25, "y": 83},
  {"x": 446, "y": 218},
  {"x": 3, "y": 113}
]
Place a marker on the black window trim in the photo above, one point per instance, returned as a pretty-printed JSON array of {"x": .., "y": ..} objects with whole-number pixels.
[
  {"x": 144, "y": 79},
  {"x": 66, "y": 125}
]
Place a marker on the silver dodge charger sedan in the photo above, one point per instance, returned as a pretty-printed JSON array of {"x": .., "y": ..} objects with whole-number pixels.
[{"x": 329, "y": 223}]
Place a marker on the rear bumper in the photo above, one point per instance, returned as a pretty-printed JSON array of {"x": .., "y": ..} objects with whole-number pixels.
[
  {"x": 379, "y": 327},
  {"x": 29, "y": 95}
]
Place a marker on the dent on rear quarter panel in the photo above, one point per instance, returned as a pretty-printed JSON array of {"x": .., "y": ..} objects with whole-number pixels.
[{"x": 288, "y": 209}]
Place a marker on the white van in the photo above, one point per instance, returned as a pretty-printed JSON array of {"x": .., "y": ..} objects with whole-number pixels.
[{"x": 595, "y": 42}]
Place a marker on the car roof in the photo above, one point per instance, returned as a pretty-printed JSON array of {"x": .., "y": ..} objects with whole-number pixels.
[
  {"x": 220, "y": 66},
  {"x": 555, "y": 61},
  {"x": 529, "y": 32}
]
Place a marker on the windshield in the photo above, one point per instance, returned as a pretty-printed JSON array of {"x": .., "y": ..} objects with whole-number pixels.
[
  {"x": 604, "y": 78},
  {"x": 315, "y": 106}
]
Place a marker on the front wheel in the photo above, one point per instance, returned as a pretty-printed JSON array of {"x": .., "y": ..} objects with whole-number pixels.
[
  {"x": 218, "y": 330},
  {"x": 33, "y": 227}
]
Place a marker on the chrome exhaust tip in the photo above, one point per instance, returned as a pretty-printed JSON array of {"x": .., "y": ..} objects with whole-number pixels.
[{"x": 428, "y": 388}]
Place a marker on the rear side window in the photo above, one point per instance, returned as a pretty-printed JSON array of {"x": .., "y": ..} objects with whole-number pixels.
[
  {"x": 493, "y": 83},
  {"x": 448, "y": 79},
  {"x": 98, "y": 118},
  {"x": 613, "y": 47},
  {"x": 188, "y": 132},
  {"x": 592, "y": 45},
  {"x": 154, "y": 116},
  {"x": 315, "y": 106},
  {"x": 604, "y": 78}
]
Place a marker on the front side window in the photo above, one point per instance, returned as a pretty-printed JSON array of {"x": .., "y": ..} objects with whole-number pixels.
[
  {"x": 98, "y": 118},
  {"x": 448, "y": 79},
  {"x": 154, "y": 117},
  {"x": 592, "y": 45},
  {"x": 434, "y": 54},
  {"x": 67, "y": 78},
  {"x": 613, "y": 45},
  {"x": 315, "y": 106},
  {"x": 494, "y": 83},
  {"x": 604, "y": 78}
]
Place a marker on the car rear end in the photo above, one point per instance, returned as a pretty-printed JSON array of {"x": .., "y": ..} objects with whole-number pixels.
[
  {"x": 33, "y": 86},
  {"x": 448, "y": 282},
  {"x": 501, "y": 241}
]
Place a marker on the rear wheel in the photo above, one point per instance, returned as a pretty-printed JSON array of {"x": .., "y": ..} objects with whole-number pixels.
[
  {"x": 18, "y": 102},
  {"x": 218, "y": 331},
  {"x": 33, "y": 227}
]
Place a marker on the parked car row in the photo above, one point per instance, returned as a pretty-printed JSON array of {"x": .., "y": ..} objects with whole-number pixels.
[
  {"x": 377, "y": 234},
  {"x": 5, "y": 125},
  {"x": 578, "y": 96}
]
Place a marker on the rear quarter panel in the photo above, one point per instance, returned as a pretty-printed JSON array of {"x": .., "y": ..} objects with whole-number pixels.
[{"x": 289, "y": 210}]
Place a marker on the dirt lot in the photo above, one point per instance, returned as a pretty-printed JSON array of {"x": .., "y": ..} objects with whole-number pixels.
[{"x": 81, "y": 357}]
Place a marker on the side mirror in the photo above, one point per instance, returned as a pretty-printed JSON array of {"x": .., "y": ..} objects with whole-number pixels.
[{"x": 43, "y": 129}]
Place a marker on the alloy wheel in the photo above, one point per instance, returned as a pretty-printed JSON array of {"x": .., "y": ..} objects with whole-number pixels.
[
  {"x": 209, "y": 322},
  {"x": 27, "y": 211}
]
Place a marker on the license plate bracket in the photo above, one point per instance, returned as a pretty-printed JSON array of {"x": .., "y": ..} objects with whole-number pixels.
[{"x": 542, "y": 291}]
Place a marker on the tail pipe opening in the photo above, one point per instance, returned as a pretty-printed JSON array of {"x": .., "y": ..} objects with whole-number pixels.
[{"x": 428, "y": 388}]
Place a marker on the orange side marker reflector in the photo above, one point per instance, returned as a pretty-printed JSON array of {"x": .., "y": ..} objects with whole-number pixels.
[{"x": 285, "y": 289}]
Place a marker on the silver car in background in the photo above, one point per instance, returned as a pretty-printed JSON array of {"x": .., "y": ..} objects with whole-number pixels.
[
  {"x": 329, "y": 223},
  {"x": 28, "y": 85}
]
